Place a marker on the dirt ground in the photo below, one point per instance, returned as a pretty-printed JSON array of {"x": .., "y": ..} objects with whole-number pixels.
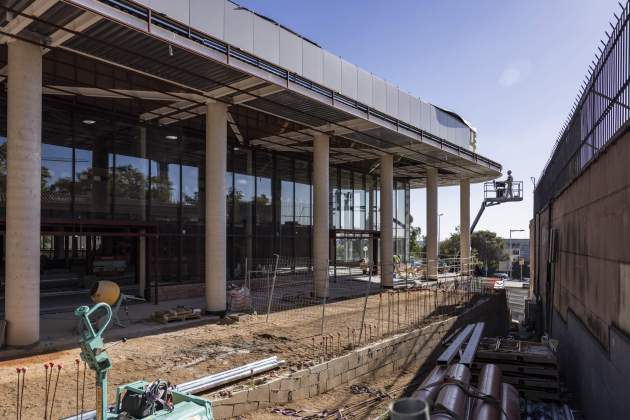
[{"x": 191, "y": 353}]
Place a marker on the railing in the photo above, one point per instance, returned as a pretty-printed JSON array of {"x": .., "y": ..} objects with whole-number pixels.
[
  {"x": 600, "y": 114},
  {"x": 503, "y": 191}
]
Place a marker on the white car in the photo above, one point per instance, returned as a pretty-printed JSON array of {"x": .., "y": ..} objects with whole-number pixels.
[{"x": 499, "y": 284}]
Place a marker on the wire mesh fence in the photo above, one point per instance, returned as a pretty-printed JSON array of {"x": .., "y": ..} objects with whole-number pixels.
[{"x": 335, "y": 310}]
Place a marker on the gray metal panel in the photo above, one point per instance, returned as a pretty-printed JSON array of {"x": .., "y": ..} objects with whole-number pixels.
[
  {"x": 365, "y": 87},
  {"x": 290, "y": 51},
  {"x": 266, "y": 40},
  {"x": 239, "y": 27},
  {"x": 404, "y": 107},
  {"x": 379, "y": 94},
  {"x": 349, "y": 79},
  {"x": 208, "y": 16},
  {"x": 392, "y": 100},
  {"x": 415, "y": 111},
  {"x": 178, "y": 10},
  {"x": 332, "y": 71},
  {"x": 312, "y": 62}
]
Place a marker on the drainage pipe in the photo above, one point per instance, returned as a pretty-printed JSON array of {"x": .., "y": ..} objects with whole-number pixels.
[
  {"x": 431, "y": 385},
  {"x": 490, "y": 387},
  {"x": 452, "y": 398},
  {"x": 409, "y": 409}
]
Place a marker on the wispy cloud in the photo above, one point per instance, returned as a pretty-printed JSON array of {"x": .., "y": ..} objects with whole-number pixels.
[{"x": 515, "y": 73}]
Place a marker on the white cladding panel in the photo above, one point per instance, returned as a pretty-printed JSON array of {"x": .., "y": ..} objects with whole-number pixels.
[
  {"x": 239, "y": 27},
  {"x": 290, "y": 51},
  {"x": 266, "y": 40},
  {"x": 379, "y": 94},
  {"x": 349, "y": 79},
  {"x": 208, "y": 16},
  {"x": 178, "y": 10},
  {"x": 332, "y": 71},
  {"x": 364, "y": 87},
  {"x": 312, "y": 62},
  {"x": 414, "y": 110},
  {"x": 404, "y": 103},
  {"x": 392, "y": 100}
]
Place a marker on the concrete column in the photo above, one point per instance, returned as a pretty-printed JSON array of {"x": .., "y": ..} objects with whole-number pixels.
[
  {"x": 24, "y": 145},
  {"x": 464, "y": 224},
  {"x": 387, "y": 221},
  {"x": 216, "y": 165},
  {"x": 432, "y": 223},
  {"x": 321, "y": 203}
]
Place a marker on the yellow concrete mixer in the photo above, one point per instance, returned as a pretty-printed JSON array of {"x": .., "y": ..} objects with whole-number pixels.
[{"x": 105, "y": 291}]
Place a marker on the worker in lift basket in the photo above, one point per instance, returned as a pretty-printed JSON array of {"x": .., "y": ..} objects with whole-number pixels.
[{"x": 508, "y": 184}]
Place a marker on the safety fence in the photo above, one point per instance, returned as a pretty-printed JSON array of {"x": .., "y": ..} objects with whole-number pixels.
[
  {"x": 354, "y": 307},
  {"x": 600, "y": 113}
]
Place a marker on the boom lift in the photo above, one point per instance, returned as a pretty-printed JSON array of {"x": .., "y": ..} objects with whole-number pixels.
[{"x": 497, "y": 192}]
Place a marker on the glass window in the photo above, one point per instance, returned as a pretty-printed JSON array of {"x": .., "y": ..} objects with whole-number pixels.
[
  {"x": 335, "y": 199},
  {"x": 56, "y": 180},
  {"x": 165, "y": 191},
  {"x": 130, "y": 187},
  {"x": 191, "y": 205},
  {"x": 359, "y": 202},
  {"x": 264, "y": 196},
  {"x": 347, "y": 202},
  {"x": 303, "y": 193}
]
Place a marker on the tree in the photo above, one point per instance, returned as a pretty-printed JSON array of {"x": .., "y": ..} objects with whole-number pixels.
[
  {"x": 415, "y": 238},
  {"x": 489, "y": 249},
  {"x": 485, "y": 245}
]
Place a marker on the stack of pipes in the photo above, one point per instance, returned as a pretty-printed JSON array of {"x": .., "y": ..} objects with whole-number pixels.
[{"x": 450, "y": 394}]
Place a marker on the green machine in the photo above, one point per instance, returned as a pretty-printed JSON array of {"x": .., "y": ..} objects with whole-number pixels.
[{"x": 135, "y": 400}]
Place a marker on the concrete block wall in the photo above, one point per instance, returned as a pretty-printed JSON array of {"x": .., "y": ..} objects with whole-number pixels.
[
  {"x": 390, "y": 355},
  {"x": 403, "y": 351}
]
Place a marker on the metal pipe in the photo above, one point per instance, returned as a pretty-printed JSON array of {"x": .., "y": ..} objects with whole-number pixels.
[
  {"x": 266, "y": 363},
  {"x": 429, "y": 388},
  {"x": 409, "y": 409},
  {"x": 510, "y": 403},
  {"x": 452, "y": 399},
  {"x": 490, "y": 387}
]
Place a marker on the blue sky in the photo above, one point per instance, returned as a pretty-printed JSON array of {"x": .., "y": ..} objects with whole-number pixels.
[{"x": 511, "y": 68}]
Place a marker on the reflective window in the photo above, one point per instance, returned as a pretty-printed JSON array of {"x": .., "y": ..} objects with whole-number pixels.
[
  {"x": 191, "y": 205},
  {"x": 165, "y": 191},
  {"x": 347, "y": 206}
]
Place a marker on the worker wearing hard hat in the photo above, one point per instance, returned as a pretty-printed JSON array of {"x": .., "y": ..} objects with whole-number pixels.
[{"x": 508, "y": 184}]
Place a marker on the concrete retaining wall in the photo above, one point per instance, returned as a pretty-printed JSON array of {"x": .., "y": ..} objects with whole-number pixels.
[{"x": 404, "y": 351}]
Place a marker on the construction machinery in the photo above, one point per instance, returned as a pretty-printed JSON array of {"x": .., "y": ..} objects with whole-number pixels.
[
  {"x": 135, "y": 400},
  {"x": 498, "y": 192}
]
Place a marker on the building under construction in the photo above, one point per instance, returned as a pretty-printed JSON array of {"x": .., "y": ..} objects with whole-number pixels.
[
  {"x": 579, "y": 234},
  {"x": 173, "y": 143}
]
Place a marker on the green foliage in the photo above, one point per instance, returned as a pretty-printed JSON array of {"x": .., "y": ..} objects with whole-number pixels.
[{"x": 485, "y": 245}]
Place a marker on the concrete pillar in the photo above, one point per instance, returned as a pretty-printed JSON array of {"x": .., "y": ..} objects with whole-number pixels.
[
  {"x": 387, "y": 221},
  {"x": 321, "y": 203},
  {"x": 432, "y": 223},
  {"x": 216, "y": 166},
  {"x": 23, "y": 212},
  {"x": 464, "y": 224}
]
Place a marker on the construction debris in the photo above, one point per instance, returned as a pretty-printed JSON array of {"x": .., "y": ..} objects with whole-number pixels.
[
  {"x": 531, "y": 367},
  {"x": 180, "y": 313}
]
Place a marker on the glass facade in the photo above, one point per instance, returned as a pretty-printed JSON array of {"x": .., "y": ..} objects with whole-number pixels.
[{"x": 110, "y": 184}]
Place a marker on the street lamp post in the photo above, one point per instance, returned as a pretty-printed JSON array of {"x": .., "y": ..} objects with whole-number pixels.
[
  {"x": 511, "y": 256},
  {"x": 439, "y": 235}
]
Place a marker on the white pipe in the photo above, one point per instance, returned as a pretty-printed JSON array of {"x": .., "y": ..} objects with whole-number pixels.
[{"x": 228, "y": 373}]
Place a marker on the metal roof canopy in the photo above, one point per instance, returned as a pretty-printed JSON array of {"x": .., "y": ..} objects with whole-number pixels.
[{"x": 107, "y": 54}]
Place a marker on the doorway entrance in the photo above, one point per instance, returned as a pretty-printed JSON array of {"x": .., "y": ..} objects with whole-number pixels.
[{"x": 354, "y": 250}]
